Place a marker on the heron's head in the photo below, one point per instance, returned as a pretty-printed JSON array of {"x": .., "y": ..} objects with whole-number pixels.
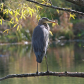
[{"x": 46, "y": 20}]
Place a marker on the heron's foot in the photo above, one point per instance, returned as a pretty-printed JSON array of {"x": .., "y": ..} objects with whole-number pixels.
[
  {"x": 37, "y": 72},
  {"x": 47, "y": 71}
]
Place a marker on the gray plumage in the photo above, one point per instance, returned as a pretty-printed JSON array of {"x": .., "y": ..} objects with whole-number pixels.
[{"x": 40, "y": 38}]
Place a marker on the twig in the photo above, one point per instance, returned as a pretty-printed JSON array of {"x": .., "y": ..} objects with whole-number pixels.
[
  {"x": 49, "y": 73},
  {"x": 77, "y": 2},
  {"x": 55, "y": 7}
]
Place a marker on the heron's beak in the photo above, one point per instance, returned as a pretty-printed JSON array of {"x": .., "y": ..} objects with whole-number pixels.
[{"x": 50, "y": 21}]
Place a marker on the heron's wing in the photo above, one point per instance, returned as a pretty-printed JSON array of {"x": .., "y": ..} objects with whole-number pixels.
[{"x": 39, "y": 39}]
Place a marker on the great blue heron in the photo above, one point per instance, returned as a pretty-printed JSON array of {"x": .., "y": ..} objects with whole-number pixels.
[{"x": 40, "y": 39}]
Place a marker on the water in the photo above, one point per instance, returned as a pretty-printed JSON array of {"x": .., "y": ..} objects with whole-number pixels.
[{"x": 20, "y": 59}]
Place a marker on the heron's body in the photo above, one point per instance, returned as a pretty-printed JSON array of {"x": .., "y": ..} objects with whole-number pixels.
[{"x": 40, "y": 41}]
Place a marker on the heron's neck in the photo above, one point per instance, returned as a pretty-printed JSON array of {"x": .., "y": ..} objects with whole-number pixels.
[{"x": 45, "y": 24}]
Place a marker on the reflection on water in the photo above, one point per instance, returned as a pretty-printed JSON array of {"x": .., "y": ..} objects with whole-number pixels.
[{"x": 18, "y": 59}]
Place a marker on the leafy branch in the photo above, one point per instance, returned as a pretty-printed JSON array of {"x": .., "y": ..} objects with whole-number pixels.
[
  {"x": 55, "y": 7},
  {"x": 17, "y": 15},
  {"x": 49, "y": 73}
]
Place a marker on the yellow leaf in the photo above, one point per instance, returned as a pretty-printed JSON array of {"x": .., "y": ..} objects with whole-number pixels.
[
  {"x": 15, "y": 25},
  {"x": 50, "y": 33},
  {"x": 6, "y": 31},
  {"x": 48, "y": 4},
  {"x": 20, "y": 18},
  {"x": 53, "y": 24},
  {"x": 16, "y": 13},
  {"x": 30, "y": 13},
  {"x": 24, "y": 17},
  {"x": 4, "y": 11},
  {"x": 18, "y": 27},
  {"x": 38, "y": 17},
  {"x": 43, "y": 2},
  {"x": 16, "y": 19},
  {"x": 22, "y": 14},
  {"x": 19, "y": 5},
  {"x": 11, "y": 12},
  {"x": 58, "y": 11},
  {"x": 25, "y": 11},
  {"x": 11, "y": 22},
  {"x": 38, "y": 7},
  {"x": 32, "y": 10},
  {"x": 1, "y": 21},
  {"x": 72, "y": 16},
  {"x": 1, "y": 6}
]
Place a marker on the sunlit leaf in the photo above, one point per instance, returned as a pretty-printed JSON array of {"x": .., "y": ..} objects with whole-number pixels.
[
  {"x": 19, "y": 4},
  {"x": 18, "y": 27},
  {"x": 58, "y": 11},
  {"x": 24, "y": 17},
  {"x": 15, "y": 25},
  {"x": 22, "y": 12},
  {"x": 1, "y": 21},
  {"x": 50, "y": 33},
  {"x": 43, "y": 1},
  {"x": 53, "y": 24},
  {"x": 1, "y": 6},
  {"x": 4, "y": 11},
  {"x": 38, "y": 7},
  {"x": 11, "y": 12},
  {"x": 72, "y": 16},
  {"x": 6, "y": 31},
  {"x": 18, "y": 10},
  {"x": 16, "y": 13},
  {"x": 48, "y": 4},
  {"x": 16, "y": 19},
  {"x": 38, "y": 17},
  {"x": 32, "y": 10},
  {"x": 11, "y": 21},
  {"x": 30, "y": 13}
]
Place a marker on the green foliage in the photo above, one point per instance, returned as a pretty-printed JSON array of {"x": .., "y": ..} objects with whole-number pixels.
[
  {"x": 18, "y": 36},
  {"x": 19, "y": 14},
  {"x": 22, "y": 11},
  {"x": 52, "y": 13},
  {"x": 77, "y": 21},
  {"x": 68, "y": 34}
]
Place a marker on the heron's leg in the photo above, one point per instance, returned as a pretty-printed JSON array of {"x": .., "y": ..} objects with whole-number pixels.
[
  {"x": 46, "y": 63},
  {"x": 37, "y": 68}
]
